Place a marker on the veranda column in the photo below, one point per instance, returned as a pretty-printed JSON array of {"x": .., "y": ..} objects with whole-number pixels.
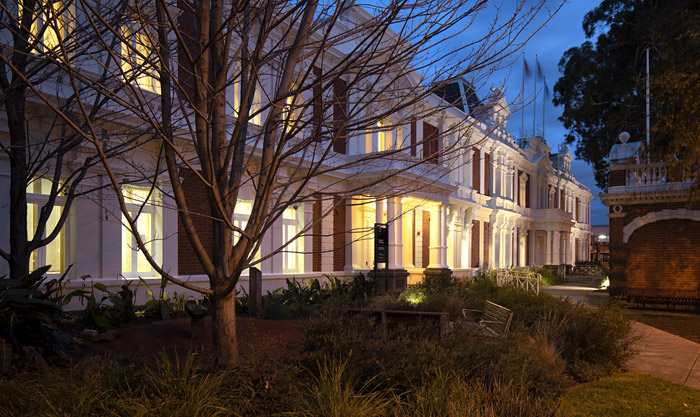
[
  {"x": 445, "y": 229},
  {"x": 437, "y": 272},
  {"x": 395, "y": 221}
]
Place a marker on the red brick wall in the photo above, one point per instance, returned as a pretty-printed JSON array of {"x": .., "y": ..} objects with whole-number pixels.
[
  {"x": 476, "y": 229},
  {"x": 664, "y": 255},
  {"x": 621, "y": 254},
  {"x": 617, "y": 177},
  {"x": 196, "y": 196},
  {"x": 339, "y": 235},
  {"x": 476, "y": 171},
  {"x": 486, "y": 243},
  {"x": 317, "y": 232}
]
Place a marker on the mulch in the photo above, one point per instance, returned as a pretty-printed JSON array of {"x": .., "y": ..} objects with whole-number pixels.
[{"x": 141, "y": 342}]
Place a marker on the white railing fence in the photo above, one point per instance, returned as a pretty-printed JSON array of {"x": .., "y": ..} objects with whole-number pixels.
[
  {"x": 654, "y": 174},
  {"x": 588, "y": 270},
  {"x": 523, "y": 279}
]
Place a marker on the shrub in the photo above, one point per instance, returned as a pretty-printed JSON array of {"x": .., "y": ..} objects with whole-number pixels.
[
  {"x": 105, "y": 387},
  {"x": 448, "y": 394},
  {"x": 596, "y": 342},
  {"x": 593, "y": 342},
  {"x": 333, "y": 394},
  {"x": 549, "y": 278}
]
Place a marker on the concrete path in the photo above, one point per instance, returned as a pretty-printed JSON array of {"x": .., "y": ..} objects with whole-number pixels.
[
  {"x": 661, "y": 354},
  {"x": 586, "y": 292},
  {"x": 666, "y": 356}
]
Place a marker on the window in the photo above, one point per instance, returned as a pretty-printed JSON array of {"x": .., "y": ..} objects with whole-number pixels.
[
  {"x": 340, "y": 116},
  {"x": 241, "y": 214},
  {"x": 430, "y": 143},
  {"x": 236, "y": 94},
  {"x": 289, "y": 111},
  {"x": 137, "y": 60},
  {"x": 383, "y": 139},
  {"x": 134, "y": 263},
  {"x": 291, "y": 252},
  {"x": 48, "y": 23},
  {"x": 52, "y": 254}
]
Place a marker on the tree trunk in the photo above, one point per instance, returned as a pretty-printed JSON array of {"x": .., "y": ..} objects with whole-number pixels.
[
  {"x": 19, "y": 253},
  {"x": 224, "y": 330}
]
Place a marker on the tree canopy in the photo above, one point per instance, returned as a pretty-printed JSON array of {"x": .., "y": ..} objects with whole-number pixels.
[{"x": 602, "y": 88}]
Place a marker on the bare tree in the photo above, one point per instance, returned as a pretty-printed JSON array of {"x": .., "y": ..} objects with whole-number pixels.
[
  {"x": 265, "y": 97},
  {"x": 40, "y": 42}
]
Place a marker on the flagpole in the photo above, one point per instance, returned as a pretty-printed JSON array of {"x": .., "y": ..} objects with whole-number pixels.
[
  {"x": 544, "y": 107},
  {"x": 534, "y": 102},
  {"x": 522, "y": 97}
]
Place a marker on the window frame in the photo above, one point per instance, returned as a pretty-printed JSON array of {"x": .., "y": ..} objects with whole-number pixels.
[
  {"x": 148, "y": 207},
  {"x": 36, "y": 198}
]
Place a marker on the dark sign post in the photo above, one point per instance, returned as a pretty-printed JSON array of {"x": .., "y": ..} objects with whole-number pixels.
[{"x": 381, "y": 251}]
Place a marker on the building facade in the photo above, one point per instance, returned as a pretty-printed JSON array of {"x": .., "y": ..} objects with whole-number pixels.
[
  {"x": 480, "y": 198},
  {"x": 654, "y": 231}
]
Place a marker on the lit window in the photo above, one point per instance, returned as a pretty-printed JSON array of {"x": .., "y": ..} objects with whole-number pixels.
[
  {"x": 52, "y": 254},
  {"x": 290, "y": 228},
  {"x": 383, "y": 146},
  {"x": 236, "y": 96},
  {"x": 137, "y": 60},
  {"x": 134, "y": 263},
  {"x": 289, "y": 111},
  {"x": 49, "y": 22},
  {"x": 241, "y": 214}
]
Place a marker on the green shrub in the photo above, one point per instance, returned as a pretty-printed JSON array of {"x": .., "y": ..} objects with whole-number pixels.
[
  {"x": 593, "y": 342},
  {"x": 596, "y": 342},
  {"x": 105, "y": 387},
  {"x": 447, "y": 394},
  {"x": 549, "y": 278},
  {"x": 333, "y": 393}
]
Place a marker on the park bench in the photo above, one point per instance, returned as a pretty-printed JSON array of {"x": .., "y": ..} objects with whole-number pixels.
[
  {"x": 390, "y": 319},
  {"x": 494, "y": 322}
]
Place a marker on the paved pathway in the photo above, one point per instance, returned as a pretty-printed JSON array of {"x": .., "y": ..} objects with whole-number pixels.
[
  {"x": 665, "y": 355},
  {"x": 661, "y": 354}
]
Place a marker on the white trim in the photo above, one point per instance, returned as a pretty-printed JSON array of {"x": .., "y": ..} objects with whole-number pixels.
[{"x": 682, "y": 214}]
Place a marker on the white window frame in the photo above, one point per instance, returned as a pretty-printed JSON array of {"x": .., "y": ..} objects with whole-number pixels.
[
  {"x": 50, "y": 37},
  {"x": 139, "y": 44},
  {"x": 37, "y": 195},
  {"x": 128, "y": 241},
  {"x": 292, "y": 254}
]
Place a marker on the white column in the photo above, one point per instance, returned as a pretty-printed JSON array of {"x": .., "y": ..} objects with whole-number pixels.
[
  {"x": 443, "y": 236},
  {"x": 434, "y": 238},
  {"x": 308, "y": 238},
  {"x": 379, "y": 218},
  {"x": 410, "y": 239},
  {"x": 395, "y": 220},
  {"x": 466, "y": 245},
  {"x": 353, "y": 243},
  {"x": 438, "y": 237},
  {"x": 327, "y": 235}
]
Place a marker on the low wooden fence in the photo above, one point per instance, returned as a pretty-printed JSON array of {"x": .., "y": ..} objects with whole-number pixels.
[{"x": 524, "y": 279}]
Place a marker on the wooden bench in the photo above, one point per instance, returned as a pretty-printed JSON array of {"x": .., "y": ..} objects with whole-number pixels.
[
  {"x": 391, "y": 319},
  {"x": 495, "y": 319}
]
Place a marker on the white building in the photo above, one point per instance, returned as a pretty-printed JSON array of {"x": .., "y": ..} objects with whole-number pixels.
[{"x": 482, "y": 199}]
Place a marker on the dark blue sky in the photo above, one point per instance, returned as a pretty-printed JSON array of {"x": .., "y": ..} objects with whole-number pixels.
[{"x": 561, "y": 33}]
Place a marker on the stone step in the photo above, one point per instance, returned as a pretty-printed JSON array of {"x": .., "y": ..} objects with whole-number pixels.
[{"x": 584, "y": 279}]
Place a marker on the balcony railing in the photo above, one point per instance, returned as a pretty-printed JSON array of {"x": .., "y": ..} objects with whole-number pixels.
[{"x": 654, "y": 175}]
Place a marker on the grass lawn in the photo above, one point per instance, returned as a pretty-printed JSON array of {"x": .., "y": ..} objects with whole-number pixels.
[{"x": 631, "y": 394}]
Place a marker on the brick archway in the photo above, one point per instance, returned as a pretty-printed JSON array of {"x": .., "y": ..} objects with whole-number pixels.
[{"x": 680, "y": 214}]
